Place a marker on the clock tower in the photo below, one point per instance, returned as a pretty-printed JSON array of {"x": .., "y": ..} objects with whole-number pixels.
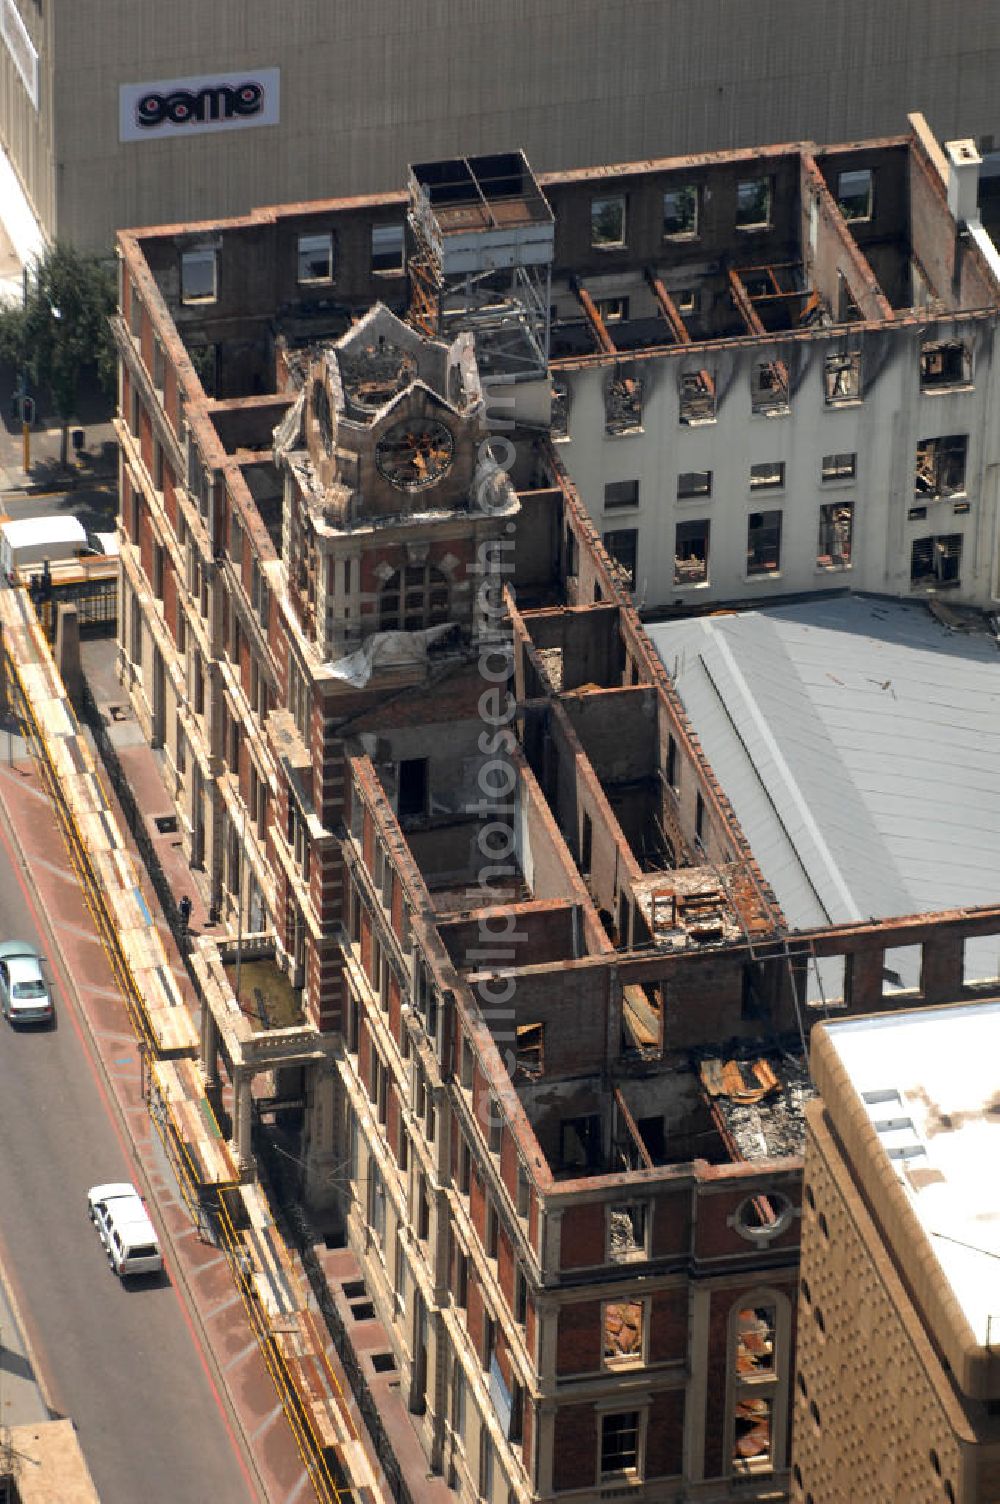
[{"x": 391, "y": 490}]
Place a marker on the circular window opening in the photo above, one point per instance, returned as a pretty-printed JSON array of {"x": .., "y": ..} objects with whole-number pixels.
[
  {"x": 814, "y": 1412},
  {"x": 802, "y": 1386},
  {"x": 810, "y": 1198},
  {"x": 806, "y": 1292},
  {"x": 818, "y": 1318},
  {"x": 935, "y": 1462},
  {"x": 824, "y": 1226},
  {"x": 761, "y": 1218}
]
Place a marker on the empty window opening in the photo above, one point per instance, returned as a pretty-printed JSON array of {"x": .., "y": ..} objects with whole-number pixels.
[
  {"x": 822, "y": 981},
  {"x": 607, "y": 222},
  {"x": 755, "y": 1328},
  {"x": 902, "y": 969},
  {"x": 697, "y": 399},
  {"x": 767, "y": 476},
  {"x": 199, "y": 276},
  {"x": 520, "y": 1296},
  {"x": 981, "y": 961},
  {"x": 530, "y": 1055},
  {"x": 691, "y": 553},
  {"x": 753, "y": 204},
  {"x": 613, "y": 310},
  {"x": 586, "y": 843},
  {"x": 628, "y": 1226},
  {"x": 623, "y": 1322},
  {"x": 686, "y": 299},
  {"x": 523, "y": 1192},
  {"x": 836, "y": 530},
  {"x": 841, "y": 376},
  {"x": 945, "y": 365},
  {"x": 699, "y": 818},
  {"x": 691, "y": 483},
  {"x": 752, "y": 1432},
  {"x": 622, "y": 404},
  {"x": 680, "y": 212},
  {"x": 621, "y": 493},
  {"x": 623, "y": 546},
  {"x": 769, "y": 387},
  {"x": 619, "y": 1442},
  {"x": 580, "y": 1142},
  {"x": 839, "y": 467},
  {"x": 848, "y": 311},
  {"x": 559, "y": 419},
  {"x": 854, "y": 193},
  {"x": 411, "y": 802},
  {"x": 940, "y": 470},
  {"x": 763, "y": 543},
  {"x": 936, "y": 562},
  {"x": 671, "y": 761},
  {"x": 388, "y": 249},
  {"x": 315, "y": 258}
]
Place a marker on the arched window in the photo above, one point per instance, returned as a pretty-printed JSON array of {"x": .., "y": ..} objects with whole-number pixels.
[
  {"x": 413, "y": 598},
  {"x": 759, "y": 1334}
]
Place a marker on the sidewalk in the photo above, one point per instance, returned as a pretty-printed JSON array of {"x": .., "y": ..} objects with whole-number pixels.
[
  {"x": 226, "y": 1335},
  {"x": 90, "y": 478}
]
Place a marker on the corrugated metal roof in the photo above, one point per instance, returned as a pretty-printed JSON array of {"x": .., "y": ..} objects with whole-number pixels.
[{"x": 859, "y": 743}]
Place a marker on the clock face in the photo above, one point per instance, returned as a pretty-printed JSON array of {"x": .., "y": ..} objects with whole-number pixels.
[{"x": 415, "y": 453}]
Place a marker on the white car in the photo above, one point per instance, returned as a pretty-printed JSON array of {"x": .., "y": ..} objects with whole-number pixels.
[
  {"x": 24, "y": 992},
  {"x": 124, "y": 1228}
]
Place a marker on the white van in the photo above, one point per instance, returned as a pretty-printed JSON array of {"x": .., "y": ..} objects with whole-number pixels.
[
  {"x": 123, "y": 1225},
  {"x": 25, "y": 543}
]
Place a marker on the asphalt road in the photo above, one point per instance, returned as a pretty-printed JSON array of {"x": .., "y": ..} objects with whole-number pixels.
[{"x": 123, "y": 1362}]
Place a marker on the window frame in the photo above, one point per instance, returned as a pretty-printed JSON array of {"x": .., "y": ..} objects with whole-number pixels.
[
  {"x": 755, "y": 571},
  {"x": 830, "y": 524},
  {"x": 758, "y": 480},
  {"x": 771, "y": 1384},
  {"x": 324, "y": 237},
  {"x": 831, "y": 474},
  {"x": 205, "y": 255},
  {"x": 744, "y": 225},
  {"x": 636, "y": 1469},
  {"x": 943, "y": 493},
  {"x": 704, "y": 578},
  {"x": 627, "y": 1362},
  {"x": 396, "y": 268},
  {"x": 843, "y": 198},
  {"x": 610, "y": 550},
  {"x": 611, "y": 314},
  {"x": 598, "y": 206},
  {"x": 626, "y": 492},
  {"x": 690, "y": 490},
  {"x": 688, "y": 231},
  {"x": 953, "y": 556}
]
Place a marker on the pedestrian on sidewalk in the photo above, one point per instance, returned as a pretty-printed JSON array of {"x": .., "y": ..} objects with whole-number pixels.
[{"x": 184, "y": 910}]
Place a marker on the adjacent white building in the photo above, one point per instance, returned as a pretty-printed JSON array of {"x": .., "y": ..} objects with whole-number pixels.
[{"x": 794, "y": 393}]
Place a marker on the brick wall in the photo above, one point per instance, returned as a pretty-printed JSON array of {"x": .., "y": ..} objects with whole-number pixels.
[{"x": 574, "y": 1461}]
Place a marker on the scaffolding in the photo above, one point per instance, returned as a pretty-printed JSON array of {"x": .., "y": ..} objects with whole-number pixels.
[{"x": 485, "y": 240}]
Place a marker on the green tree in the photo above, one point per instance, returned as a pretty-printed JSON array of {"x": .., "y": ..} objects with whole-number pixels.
[{"x": 63, "y": 329}]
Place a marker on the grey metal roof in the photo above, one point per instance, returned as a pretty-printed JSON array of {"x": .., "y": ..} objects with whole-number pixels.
[{"x": 859, "y": 743}]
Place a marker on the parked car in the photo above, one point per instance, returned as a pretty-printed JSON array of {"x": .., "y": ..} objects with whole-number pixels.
[
  {"x": 124, "y": 1228},
  {"x": 24, "y": 992}
]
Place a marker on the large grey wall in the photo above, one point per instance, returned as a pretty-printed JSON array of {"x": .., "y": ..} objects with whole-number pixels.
[{"x": 368, "y": 87}]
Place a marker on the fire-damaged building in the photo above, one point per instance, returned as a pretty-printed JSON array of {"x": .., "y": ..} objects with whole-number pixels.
[{"x": 430, "y": 769}]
